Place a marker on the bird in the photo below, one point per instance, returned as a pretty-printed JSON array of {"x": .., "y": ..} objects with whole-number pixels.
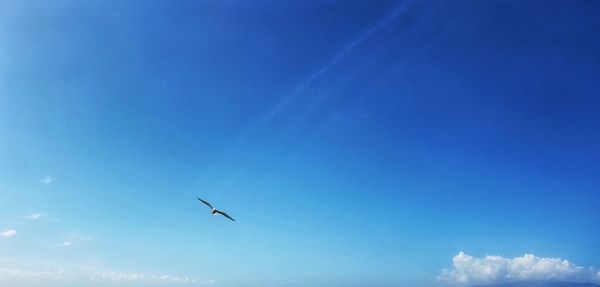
[{"x": 214, "y": 211}]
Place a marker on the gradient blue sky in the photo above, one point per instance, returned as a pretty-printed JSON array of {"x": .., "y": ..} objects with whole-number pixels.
[{"x": 356, "y": 143}]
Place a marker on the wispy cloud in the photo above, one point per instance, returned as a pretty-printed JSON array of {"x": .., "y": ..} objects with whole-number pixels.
[
  {"x": 46, "y": 179},
  {"x": 308, "y": 84},
  {"x": 27, "y": 275},
  {"x": 342, "y": 54},
  {"x": 35, "y": 216},
  {"x": 490, "y": 269},
  {"x": 90, "y": 274},
  {"x": 8, "y": 233},
  {"x": 74, "y": 238},
  {"x": 140, "y": 277},
  {"x": 78, "y": 237}
]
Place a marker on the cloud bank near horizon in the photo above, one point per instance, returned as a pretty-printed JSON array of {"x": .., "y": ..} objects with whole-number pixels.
[
  {"x": 12, "y": 275},
  {"x": 494, "y": 269}
]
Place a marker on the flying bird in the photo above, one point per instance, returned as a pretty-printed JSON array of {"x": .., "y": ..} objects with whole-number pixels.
[{"x": 214, "y": 211}]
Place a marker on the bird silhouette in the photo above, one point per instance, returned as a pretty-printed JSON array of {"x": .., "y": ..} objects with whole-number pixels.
[{"x": 214, "y": 211}]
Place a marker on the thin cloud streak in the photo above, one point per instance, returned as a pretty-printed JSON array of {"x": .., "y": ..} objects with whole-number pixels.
[
  {"x": 35, "y": 216},
  {"x": 343, "y": 53},
  {"x": 313, "y": 79}
]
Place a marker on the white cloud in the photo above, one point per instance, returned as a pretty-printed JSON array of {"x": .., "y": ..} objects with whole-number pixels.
[
  {"x": 489, "y": 269},
  {"x": 90, "y": 274},
  {"x": 35, "y": 216},
  {"x": 8, "y": 233},
  {"x": 46, "y": 179}
]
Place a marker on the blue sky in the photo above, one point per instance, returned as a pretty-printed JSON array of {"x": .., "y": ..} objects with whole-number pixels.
[{"x": 356, "y": 144}]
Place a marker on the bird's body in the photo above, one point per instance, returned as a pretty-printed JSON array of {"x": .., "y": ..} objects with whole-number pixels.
[{"x": 215, "y": 211}]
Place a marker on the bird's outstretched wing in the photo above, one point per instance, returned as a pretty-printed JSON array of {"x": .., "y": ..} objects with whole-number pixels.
[
  {"x": 225, "y": 214},
  {"x": 211, "y": 207}
]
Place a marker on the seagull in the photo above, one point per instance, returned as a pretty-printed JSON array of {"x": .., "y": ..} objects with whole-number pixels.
[{"x": 214, "y": 211}]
